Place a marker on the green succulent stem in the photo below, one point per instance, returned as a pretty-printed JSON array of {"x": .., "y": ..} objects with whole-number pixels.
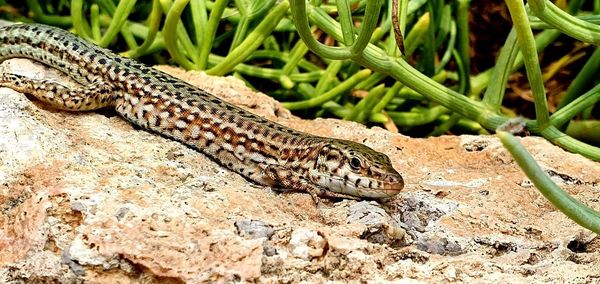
[{"x": 575, "y": 210}]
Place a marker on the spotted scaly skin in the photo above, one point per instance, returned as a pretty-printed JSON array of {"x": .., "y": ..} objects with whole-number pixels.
[{"x": 258, "y": 149}]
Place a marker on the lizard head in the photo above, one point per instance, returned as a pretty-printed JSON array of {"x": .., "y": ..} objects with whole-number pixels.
[{"x": 351, "y": 168}]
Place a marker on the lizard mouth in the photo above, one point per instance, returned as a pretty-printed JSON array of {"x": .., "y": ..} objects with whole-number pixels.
[
  {"x": 376, "y": 188},
  {"x": 386, "y": 190},
  {"x": 363, "y": 187},
  {"x": 393, "y": 188}
]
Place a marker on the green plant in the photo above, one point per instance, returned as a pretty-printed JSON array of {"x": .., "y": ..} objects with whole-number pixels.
[
  {"x": 578, "y": 212},
  {"x": 485, "y": 111}
]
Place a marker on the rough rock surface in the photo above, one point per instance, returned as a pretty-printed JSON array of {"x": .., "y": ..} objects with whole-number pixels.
[{"x": 88, "y": 197}]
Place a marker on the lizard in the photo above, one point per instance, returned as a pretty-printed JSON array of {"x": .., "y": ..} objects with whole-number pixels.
[{"x": 262, "y": 151}]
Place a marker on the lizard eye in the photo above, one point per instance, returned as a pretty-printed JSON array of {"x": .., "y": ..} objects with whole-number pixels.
[{"x": 355, "y": 163}]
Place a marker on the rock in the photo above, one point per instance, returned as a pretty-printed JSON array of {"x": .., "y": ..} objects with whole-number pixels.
[
  {"x": 307, "y": 244},
  {"x": 380, "y": 227},
  {"x": 86, "y": 197},
  {"x": 438, "y": 245},
  {"x": 254, "y": 229}
]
